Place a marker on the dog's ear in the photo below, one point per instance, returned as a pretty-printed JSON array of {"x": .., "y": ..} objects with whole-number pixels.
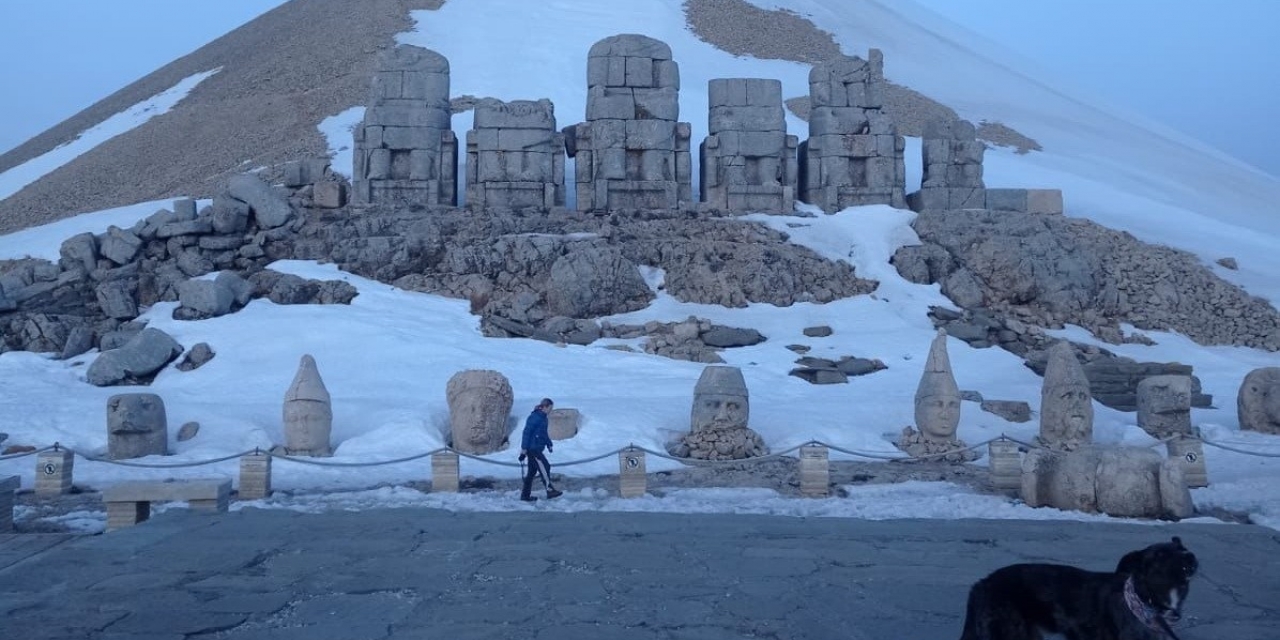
[{"x": 1178, "y": 542}]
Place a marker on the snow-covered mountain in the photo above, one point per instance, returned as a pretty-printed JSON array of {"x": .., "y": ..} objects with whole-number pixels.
[{"x": 284, "y": 85}]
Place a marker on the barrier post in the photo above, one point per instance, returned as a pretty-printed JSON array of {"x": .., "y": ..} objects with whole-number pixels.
[
  {"x": 815, "y": 471},
  {"x": 7, "y": 487},
  {"x": 1004, "y": 464},
  {"x": 255, "y": 476},
  {"x": 53, "y": 472},
  {"x": 444, "y": 472},
  {"x": 631, "y": 473},
  {"x": 1191, "y": 452}
]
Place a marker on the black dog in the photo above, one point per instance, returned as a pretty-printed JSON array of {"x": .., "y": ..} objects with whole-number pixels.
[{"x": 1136, "y": 602}]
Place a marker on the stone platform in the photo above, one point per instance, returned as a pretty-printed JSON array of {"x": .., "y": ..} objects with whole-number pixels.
[{"x": 423, "y": 573}]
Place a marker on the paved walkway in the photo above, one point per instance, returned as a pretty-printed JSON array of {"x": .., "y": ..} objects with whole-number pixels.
[{"x": 428, "y": 574}]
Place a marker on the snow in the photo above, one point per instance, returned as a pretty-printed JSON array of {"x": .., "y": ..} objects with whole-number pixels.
[{"x": 387, "y": 356}]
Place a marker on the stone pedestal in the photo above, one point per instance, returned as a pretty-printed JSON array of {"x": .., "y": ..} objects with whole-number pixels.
[
  {"x": 1005, "y": 465},
  {"x": 7, "y": 487},
  {"x": 631, "y": 473},
  {"x": 255, "y": 476},
  {"x": 53, "y": 472},
  {"x": 1191, "y": 453},
  {"x": 444, "y": 472},
  {"x": 815, "y": 470}
]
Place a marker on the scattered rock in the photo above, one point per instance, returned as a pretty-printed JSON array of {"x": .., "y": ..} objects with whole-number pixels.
[
  {"x": 817, "y": 332},
  {"x": 1229, "y": 263},
  {"x": 1011, "y": 410},
  {"x": 188, "y": 431},
  {"x": 196, "y": 356}
]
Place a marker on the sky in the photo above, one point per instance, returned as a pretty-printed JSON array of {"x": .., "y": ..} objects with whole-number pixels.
[{"x": 386, "y": 358}]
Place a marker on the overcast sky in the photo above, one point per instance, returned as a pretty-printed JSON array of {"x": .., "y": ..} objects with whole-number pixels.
[
  {"x": 1205, "y": 67},
  {"x": 1210, "y": 68}
]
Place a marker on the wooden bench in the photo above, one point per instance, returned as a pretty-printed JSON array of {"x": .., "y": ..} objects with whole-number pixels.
[
  {"x": 7, "y": 487},
  {"x": 129, "y": 503}
]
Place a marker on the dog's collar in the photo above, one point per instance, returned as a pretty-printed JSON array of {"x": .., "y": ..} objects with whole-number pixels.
[{"x": 1145, "y": 613}]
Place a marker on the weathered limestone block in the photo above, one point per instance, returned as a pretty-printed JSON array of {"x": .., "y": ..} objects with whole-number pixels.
[
  {"x": 79, "y": 253},
  {"x": 298, "y": 173},
  {"x": 1048, "y": 201},
  {"x": 329, "y": 194},
  {"x": 479, "y": 404},
  {"x": 632, "y": 152},
  {"x": 268, "y": 206},
  {"x": 952, "y": 158},
  {"x": 144, "y": 354},
  {"x": 515, "y": 156},
  {"x": 405, "y": 149},
  {"x": 1164, "y": 405},
  {"x": 1258, "y": 401},
  {"x": 136, "y": 426},
  {"x": 854, "y": 155},
  {"x": 308, "y": 412},
  {"x": 748, "y": 163},
  {"x": 1066, "y": 405},
  {"x": 562, "y": 424},
  {"x": 1115, "y": 480},
  {"x": 119, "y": 246}
]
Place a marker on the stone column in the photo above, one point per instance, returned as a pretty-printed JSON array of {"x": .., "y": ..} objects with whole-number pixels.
[
  {"x": 632, "y": 152},
  {"x": 405, "y": 149},
  {"x": 748, "y": 162},
  {"x": 952, "y": 157},
  {"x": 255, "y": 476},
  {"x": 54, "y": 472},
  {"x": 854, "y": 155},
  {"x": 815, "y": 471},
  {"x": 631, "y": 473},
  {"x": 515, "y": 156},
  {"x": 1005, "y": 465},
  {"x": 444, "y": 472}
]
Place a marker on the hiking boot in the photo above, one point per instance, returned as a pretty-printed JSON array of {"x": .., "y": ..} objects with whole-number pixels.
[
  {"x": 528, "y": 498},
  {"x": 554, "y": 493}
]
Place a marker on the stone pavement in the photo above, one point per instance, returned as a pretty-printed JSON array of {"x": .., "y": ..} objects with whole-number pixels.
[{"x": 427, "y": 574}]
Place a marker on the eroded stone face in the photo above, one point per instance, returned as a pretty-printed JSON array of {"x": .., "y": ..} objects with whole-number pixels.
[
  {"x": 136, "y": 426},
  {"x": 938, "y": 415},
  {"x": 1164, "y": 405},
  {"x": 479, "y": 404},
  {"x": 720, "y": 400},
  {"x": 307, "y": 412},
  {"x": 1258, "y": 402},
  {"x": 1066, "y": 404}
]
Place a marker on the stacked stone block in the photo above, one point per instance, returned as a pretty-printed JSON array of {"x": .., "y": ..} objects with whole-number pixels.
[
  {"x": 1025, "y": 200},
  {"x": 748, "y": 162},
  {"x": 632, "y": 152},
  {"x": 952, "y": 157},
  {"x": 515, "y": 156},
  {"x": 405, "y": 150},
  {"x": 854, "y": 155}
]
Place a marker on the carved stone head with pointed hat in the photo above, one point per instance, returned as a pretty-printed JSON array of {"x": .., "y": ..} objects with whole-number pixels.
[
  {"x": 1066, "y": 404},
  {"x": 308, "y": 413},
  {"x": 938, "y": 397}
]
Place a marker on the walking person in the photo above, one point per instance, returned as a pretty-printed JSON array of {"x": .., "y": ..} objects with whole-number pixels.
[{"x": 532, "y": 442}]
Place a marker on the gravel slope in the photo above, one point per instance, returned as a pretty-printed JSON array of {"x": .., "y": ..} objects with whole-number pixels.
[{"x": 281, "y": 75}]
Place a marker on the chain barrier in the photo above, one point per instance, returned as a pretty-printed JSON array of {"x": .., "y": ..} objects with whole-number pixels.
[{"x": 631, "y": 447}]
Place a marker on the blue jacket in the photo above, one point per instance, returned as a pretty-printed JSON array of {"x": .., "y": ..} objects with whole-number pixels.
[{"x": 535, "y": 438}]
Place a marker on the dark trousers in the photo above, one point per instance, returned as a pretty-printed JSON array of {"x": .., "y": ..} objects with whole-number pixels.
[{"x": 538, "y": 466}]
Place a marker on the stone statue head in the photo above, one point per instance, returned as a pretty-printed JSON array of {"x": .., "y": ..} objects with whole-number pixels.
[
  {"x": 1066, "y": 404},
  {"x": 938, "y": 397},
  {"x": 307, "y": 412},
  {"x": 1164, "y": 405},
  {"x": 720, "y": 400},
  {"x": 136, "y": 426},
  {"x": 1258, "y": 402},
  {"x": 479, "y": 404}
]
